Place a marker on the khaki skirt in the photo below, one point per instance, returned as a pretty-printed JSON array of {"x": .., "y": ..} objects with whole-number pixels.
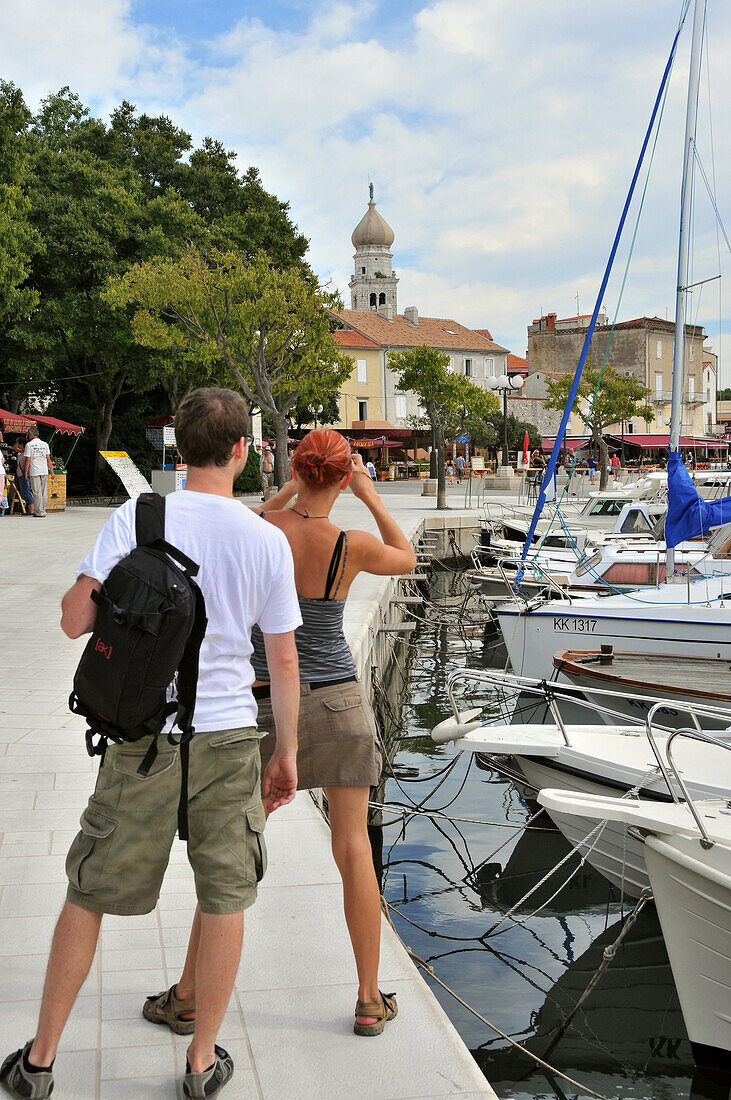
[{"x": 336, "y": 736}]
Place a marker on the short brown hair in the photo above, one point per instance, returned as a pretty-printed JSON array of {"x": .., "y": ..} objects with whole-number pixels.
[{"x": 208, "y": 423}]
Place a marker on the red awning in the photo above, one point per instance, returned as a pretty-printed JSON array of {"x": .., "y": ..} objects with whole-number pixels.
[
  {"x": 692, "y": 442},
  {"x": 15, "y": 422},
  {"x": 62, "y": 426}
]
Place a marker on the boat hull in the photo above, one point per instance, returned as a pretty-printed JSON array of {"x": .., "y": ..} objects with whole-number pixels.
[
  {"x": 532, "y": 637},
  {"x": 692, "y": 891},
  {"x": 614, "y": 852}
]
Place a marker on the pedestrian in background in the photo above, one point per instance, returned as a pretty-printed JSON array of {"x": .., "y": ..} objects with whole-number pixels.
[
  {"x": 266, "y": 467},
  {"x": 37, "y": 467}
]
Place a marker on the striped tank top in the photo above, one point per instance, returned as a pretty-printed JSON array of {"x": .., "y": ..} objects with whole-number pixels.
[{"x": 323, "y": 652}]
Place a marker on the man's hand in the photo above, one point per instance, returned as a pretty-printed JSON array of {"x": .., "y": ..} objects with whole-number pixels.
[{"x": 279, "y": 785}]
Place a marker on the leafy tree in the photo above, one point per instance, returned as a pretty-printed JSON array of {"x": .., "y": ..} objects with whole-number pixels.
[
  {"x": 490, "y": 433},
  {"x": 325, "y": 411},
  {"x": 619, "y": 397},
  {"x": 444, "y": 396},
  {"x": 244, "y": 322},
  {"x": 18, "y": 239},
  {"x": 724, "y": 395}
]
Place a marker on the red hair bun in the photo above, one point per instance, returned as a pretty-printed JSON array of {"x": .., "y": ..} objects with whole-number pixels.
[{"x": 322, "y": 458}]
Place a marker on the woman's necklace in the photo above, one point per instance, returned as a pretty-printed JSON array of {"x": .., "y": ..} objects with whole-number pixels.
[{"x": 306, "y": 514}]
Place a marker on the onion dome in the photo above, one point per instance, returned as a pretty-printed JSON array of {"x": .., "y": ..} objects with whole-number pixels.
[{"x": 372, "y": 230}]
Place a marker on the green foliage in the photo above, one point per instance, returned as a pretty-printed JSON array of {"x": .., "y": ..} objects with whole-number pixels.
[
  {"x": 239, "y": 322},
  {"x": 444, "y": 396},
  {"x": 81, "y": 203},
  {"x": 724, "y": 395},
  {"x": 18, "y": 240},
  {"x": 618, "y": 397},
  {"x": 250, "y": 480},
  {"x": 490, "y": 434}
]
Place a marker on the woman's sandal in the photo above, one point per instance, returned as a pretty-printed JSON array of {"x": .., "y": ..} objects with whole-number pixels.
[
  {"x": 382, "y": 1013},
  {"x": 165, "y": 1008}
]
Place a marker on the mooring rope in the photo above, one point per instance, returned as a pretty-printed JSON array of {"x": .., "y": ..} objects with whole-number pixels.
[{"x": 483, "y": 1019}]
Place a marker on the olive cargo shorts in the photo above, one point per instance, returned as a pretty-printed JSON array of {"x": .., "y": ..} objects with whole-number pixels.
[{"x": 117, "y": 862}]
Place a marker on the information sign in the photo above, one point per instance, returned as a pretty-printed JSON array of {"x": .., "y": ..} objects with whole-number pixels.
[
  {"x": 155, "y": 438},
  {"x": 127, "y": 472},
  {"x": 181, "y": 476},
  {"x": 478, "y": 462},
  {"x": 168, "y": 435}
]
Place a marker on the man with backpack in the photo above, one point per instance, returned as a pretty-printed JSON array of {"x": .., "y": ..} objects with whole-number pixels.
[{"x": 148, "y": 784}]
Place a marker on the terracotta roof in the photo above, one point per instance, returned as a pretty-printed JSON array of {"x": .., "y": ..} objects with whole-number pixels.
[
  {"x": 349, "y": 338},
  {"x": 484, "y": 332},
  {"x": 434, "y": 332},
  {"x": 516, "y": 362}
]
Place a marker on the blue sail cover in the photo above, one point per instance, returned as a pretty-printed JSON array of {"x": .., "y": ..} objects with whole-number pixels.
[{"x": 688, "y": 514}]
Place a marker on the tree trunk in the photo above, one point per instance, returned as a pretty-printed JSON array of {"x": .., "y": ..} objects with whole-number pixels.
[
  {"x": 441, "y": 473},
  {"x": 281, "y": 457},
  {"x": 103, "y": 423},
  {"x": 604, "y": 463}
]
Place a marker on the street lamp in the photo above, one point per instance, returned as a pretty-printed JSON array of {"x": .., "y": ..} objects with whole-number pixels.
[{"x": 505, "y": 385}]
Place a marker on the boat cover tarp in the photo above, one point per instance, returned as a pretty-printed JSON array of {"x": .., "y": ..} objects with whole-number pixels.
[{"x": 689, "y": 515}]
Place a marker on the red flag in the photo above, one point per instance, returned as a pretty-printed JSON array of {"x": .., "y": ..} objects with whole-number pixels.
[{"x": 525, "y": 449}]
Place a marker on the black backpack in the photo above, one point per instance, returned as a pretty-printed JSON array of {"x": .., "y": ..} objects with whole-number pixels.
[{"x": 150, "y": 622}]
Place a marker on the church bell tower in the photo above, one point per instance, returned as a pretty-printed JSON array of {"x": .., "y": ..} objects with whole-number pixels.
[{"x": 373, "y": 285}]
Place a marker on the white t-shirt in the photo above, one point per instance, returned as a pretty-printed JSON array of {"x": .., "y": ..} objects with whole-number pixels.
[
  {"x": 37, "y": 451},
  {"x": 246, "y": 576}
]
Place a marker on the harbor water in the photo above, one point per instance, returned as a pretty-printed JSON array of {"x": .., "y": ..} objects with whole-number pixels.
[{"x": 456, "y": 863}]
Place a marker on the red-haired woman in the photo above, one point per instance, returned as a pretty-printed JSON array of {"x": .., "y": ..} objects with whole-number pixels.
[{"x": 337, "y": 746}]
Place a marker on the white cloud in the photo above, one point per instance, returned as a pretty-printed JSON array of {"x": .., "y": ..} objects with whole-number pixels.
[{"x": 501, "y": 137}]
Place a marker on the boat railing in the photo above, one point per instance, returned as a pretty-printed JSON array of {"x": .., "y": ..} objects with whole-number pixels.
[
  {"x": 596, "y": 701},
  {"x": 671, "y": 771}
]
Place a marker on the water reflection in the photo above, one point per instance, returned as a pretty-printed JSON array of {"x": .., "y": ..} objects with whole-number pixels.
[{"x": 456, "y": 887}]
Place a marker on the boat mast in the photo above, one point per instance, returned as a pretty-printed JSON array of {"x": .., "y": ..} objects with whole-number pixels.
[{"x": 686, "y": 195}]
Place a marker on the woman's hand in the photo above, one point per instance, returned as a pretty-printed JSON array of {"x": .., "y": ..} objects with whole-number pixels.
[{"x": 361, "y": 482}]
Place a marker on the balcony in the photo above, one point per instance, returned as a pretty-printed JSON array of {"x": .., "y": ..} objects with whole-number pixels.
[
  {"x": 661, "y": 397},
  {"x": 700, "y": 397}
]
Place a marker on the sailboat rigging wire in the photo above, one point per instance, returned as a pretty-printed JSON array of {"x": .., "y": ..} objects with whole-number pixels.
[
  {"x": 550, "y": 472},
  {"x": 717, "y": 212},
  {"x": 483, "y": 1019}
]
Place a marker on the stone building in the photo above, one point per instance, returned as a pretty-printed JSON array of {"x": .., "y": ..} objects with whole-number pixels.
[
  {"x": 643, "y": 348},
  {"x": 374, "y": 282}
]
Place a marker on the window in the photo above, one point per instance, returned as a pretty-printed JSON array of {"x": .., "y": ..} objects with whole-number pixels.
[
  {"x": 489, "y": 368},
  {"x": 690, "y": 351},
  {"x": 355, "y": 301},
  {"x": 691, "y": 388},
  {"x": 400, "y": 406},
  {"x": 658, "y": 382},
  {"x": 658, "y": 349},
  {"x": 381, "y": 299},
  {"x": 362, "y": 370},
  {"x": 362, "y": 410},
  {"x": 373, "y": 301},
  {"x": 451, "y": 364},
  {"x": 468, "y": 368},
  {"x": 604, "y": 507},
  {"x": 362, "y": 271}
]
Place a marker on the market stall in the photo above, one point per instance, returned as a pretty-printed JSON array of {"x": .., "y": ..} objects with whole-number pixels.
[{"x": 16, "y": 425}]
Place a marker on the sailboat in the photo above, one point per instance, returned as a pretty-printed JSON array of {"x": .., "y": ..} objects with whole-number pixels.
[{"x": 677, "y": 614}]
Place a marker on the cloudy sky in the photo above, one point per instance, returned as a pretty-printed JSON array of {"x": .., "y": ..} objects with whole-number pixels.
[{"x": 500, "y": 135}]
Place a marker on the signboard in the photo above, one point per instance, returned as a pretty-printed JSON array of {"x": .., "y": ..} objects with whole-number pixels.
[
  {"x": 127, "y": 472},
  {"x": 478, "y": 462},
  {"x": 168, "y": 435},
  {"x": 181, "y": 476},
  {"x": 154, "y": 438}
]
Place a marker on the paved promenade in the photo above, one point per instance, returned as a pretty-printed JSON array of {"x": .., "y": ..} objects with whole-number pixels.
[{"x": 288, "y": 1027}]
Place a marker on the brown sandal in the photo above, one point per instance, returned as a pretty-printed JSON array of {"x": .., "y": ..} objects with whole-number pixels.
[
  {"x": 165, "y": 1008},
  {"x": 382, "y": 1012}
]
